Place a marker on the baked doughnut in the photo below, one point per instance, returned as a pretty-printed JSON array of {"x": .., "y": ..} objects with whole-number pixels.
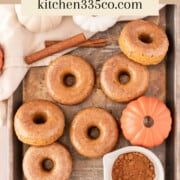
[
  {"x": 118, "y": 89},
  {"x": 144, "y": 42},
  {"x": 80, "y": 75},
  {"x": 94, "y": 132},
  {"x": 39, "y": 123},
  {"x": 50, "y": 162}
]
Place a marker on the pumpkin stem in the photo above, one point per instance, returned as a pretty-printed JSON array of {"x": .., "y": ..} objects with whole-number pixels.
[{"x": 148, "y": 121}]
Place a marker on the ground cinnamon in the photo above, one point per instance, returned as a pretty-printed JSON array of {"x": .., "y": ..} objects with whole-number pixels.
[
  {"x": 133, "y": 166},
  {"x": 58, "y": 47},
  {"x": 89, "y": 43}
]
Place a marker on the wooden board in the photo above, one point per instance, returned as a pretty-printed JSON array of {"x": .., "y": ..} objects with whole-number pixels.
[
  {"x": 163, "y": 84},
  {"x": 35, "y": 88}
]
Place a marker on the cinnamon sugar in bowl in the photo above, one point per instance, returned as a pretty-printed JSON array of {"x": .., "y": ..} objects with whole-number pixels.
[
  {"x": 132, "y": 163},
  {"x": 133, "y": 166}
]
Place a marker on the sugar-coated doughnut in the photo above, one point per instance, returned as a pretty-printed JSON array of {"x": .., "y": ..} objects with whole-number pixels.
[
  {"x": 144, "y": 42},
  {"x": 81, "y": 136},
  {"x": 52, "y": 162},
  {"x": 112, "y": 74},
  {"x": 39, "y": 123},
  {"x": 80, "y": 75}
]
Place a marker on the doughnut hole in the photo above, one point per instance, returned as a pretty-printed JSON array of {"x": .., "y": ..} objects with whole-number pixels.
[
  {"x": 124, "y": 77},
  {"x": 47, "y": 164},
  {"x": 93, "y": 132},
  {"x": 39, "y": 119},
  {"x": 69, "y": 80},
  {"x": 145, "y": 38}
]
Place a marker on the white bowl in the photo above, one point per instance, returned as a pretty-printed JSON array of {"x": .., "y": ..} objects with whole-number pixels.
[{"x": 109, "y": 159}]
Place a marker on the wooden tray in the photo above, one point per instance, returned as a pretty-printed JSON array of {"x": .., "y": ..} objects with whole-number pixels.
[{"x": 162, "y": 85}]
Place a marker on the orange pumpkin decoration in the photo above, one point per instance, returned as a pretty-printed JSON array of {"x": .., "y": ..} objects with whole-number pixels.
[{"x": 146, "y": 122}]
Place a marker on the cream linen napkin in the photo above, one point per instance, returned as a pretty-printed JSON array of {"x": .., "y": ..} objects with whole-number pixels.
[{"x": 18, "y": 42}]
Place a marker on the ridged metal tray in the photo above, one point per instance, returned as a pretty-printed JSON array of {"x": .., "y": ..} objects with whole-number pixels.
[{"x": 163, "y": 84}]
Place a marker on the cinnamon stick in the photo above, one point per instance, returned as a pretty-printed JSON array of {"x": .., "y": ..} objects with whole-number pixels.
[
  {"x": 89, "y": 43},
  {"x": 58, "y": 47}
]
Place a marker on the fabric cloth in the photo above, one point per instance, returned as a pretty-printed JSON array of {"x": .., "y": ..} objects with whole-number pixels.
[{"x": 18, "y": 42}]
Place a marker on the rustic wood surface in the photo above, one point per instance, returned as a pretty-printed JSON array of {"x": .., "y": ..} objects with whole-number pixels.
[{"x": 35, "y": 88}]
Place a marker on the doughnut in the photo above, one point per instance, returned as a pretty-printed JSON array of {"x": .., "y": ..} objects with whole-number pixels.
[
  {"x": 95, "y": 23},
  {"x": 39, "y": 123},
  {"x": 144, "y": 42},
  {"x": 122, "y": 79},
  {"x": 50, "y": 162},
  {"x": 93, "y": 132},
  {"x": 70, "y": 80}
]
